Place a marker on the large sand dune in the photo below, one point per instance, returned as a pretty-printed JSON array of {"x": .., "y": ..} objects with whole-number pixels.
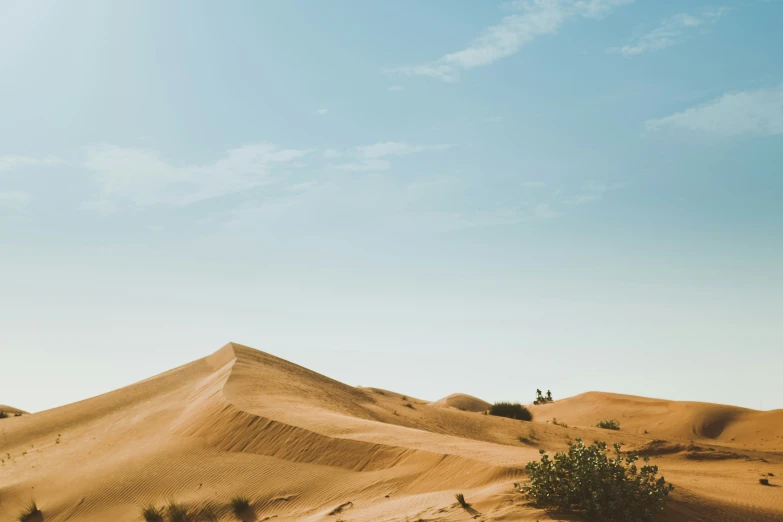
[{"x": 302, "y": 446}]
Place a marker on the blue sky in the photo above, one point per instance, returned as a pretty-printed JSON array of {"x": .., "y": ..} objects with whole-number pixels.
[{"x": 432, "y": 197}]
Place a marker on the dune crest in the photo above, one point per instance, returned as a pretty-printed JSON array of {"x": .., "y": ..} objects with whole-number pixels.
[
  {"x": 12, "y": 411},
  {"x": 715, "y": 423},
  {"x": 463, "y": 402},
  {"x": 300, "y": 446}
]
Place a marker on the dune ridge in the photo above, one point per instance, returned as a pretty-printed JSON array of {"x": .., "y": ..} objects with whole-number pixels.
[
  {"x": 300, "y": 445},
  {"x": 682, "y": 420}
]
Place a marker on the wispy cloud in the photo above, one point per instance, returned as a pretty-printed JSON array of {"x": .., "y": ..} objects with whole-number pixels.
[
  {"x": 12, "y": 162},
  {"x": 594, "y": 191},
  {"x": 374, "y": 157},
  {"x": 534, "y": 18},
  {"x": 139, "y": 177},
  {"x": 395, "y": 88},
  {"x": 15, "y": 200},
  {"x": 322, "y": 112},
  {"x": 672, "y": 31},
  {"x": 506, "y": 216},
  {"x": 740, "y": 114}
]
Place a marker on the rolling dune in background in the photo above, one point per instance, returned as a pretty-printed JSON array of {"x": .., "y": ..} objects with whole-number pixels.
[{"x": 302, "y": 446}]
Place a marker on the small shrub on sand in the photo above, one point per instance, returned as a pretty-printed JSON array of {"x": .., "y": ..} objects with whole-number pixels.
[
  {"x": 764, "y": 482},
  {"x": 561, "y": 424},
  {"x": 240, "y": 506},
  {"x": 599, "y": 487},
  {"x": 151, "y": 513},
  {"x": 31, "y": 514},
  {"x": 3, "y": 415},
  {"x": 541, "y": 399},
  {"x": 409, "y": 405},
  {"x": 461, "y": 499},
  {"x": 179, "y": 513},
  {"x": 511, "y": 410},
  {"x": 612, "y": 424}
]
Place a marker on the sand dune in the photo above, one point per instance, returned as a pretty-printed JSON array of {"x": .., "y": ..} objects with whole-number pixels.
[
  {"x": 463, "y": 402},
  {"x": 302, "y": 446},
  {"x": 11, "y": 411},
  {"x": 697, "y": 421}
]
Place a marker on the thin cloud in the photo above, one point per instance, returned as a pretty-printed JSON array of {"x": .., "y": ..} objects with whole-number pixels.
[
  {"x": 322, "y": 112},
  {"x": 535, "y": 18},
  {"x": 12, "y": 162},
  {"x": 140, "y": 178},
  {"x": 741, "y": 114},
  {"x": 395, "y": 88},
  {"x": 672, "y": 31},
  {"x": 15, "y": 200},
  {"x": 370, "y": 158},
  {"x": 594, "y": 191}
]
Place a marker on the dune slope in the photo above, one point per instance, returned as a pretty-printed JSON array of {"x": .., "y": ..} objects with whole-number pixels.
[{"x": 302, "y": 446}]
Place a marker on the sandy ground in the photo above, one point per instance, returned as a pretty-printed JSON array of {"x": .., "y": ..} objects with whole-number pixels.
[{"x": 302, "y": 446}]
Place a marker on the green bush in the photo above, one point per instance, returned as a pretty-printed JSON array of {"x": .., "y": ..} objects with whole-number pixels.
[
  {"x": 511, "y": 410},
  {"x": 612, "y": 424},
  {"x": 589, "y": 482}
]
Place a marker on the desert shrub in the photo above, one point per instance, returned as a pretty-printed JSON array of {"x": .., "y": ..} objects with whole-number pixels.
[
  {"x": 151, "y": 513},
  {"x": 31, "y": 513},
  {"x": 511, "y": 410},
  {"x": 541, "y": 399},
  {"x": 599, "y": 487},
  {"x": 764, "y": 482},
  {"x": 240, "y": 506},
  {"x": 612, "y": 424},
  {"x": 409, "y": 405},
  {"x": 461, "y": 499},
  {"x": 17, "y": 414},
  {"x": 3, "y": 415},
  {"x": 179, "y": 513},
  {"x": 561, "y": 424}
]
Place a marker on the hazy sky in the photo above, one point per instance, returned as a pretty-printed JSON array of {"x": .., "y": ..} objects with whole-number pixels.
[{"x": 430, "y": 197}]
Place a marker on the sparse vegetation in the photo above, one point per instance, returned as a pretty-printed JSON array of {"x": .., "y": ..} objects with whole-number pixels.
[
  {"x": 461, "y": 499},
  {"x": 3, "y": 415},
  {"x": 561, "y": 424},
  {"x": 541, "y": 399},
  {"x": 179, "y": 513},
  {"x": 601, "y": 488},
  {"x": 511, "y": 410},
  {"x": 31, "y": 513},
  {"x": 151, "y": 513},
  {"x": 764, "y": 482},
  {"x": 18, "y": 414},
  {"x": 409, "y": 405},
  {"x": 611, "y": 424},
  {"x": 240, "y": 506}
]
